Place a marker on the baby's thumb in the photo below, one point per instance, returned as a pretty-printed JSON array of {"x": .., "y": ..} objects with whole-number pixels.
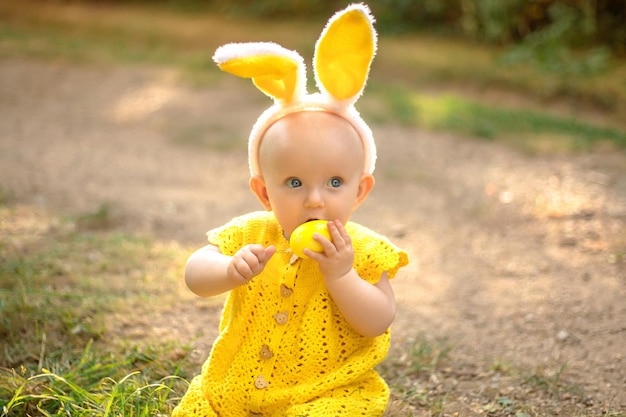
[
  {"x": 264, "y": 256},
  {"x": 269, "y": 252}
]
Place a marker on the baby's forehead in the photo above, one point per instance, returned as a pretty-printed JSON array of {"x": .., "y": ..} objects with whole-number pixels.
[
  {"x": 310, "y": 128},
  {"x": 311, "y": 145}
]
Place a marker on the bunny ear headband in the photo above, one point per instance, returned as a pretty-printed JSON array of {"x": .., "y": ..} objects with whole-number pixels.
[{"x": 343, "y": 55}]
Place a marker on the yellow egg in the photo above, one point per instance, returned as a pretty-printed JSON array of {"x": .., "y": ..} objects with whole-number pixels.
[{"x": 302, "y": 237}]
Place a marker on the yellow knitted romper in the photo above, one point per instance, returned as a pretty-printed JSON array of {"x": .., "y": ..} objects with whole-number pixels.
[{"x": 284, "y": 348}]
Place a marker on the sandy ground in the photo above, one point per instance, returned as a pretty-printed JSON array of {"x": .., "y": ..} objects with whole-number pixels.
[{"x": 517, "y": 260}]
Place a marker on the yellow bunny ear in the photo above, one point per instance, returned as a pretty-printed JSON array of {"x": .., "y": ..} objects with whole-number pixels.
[
  {"x": 344, "y": 52},
  {"x": 278, "y": 72}
]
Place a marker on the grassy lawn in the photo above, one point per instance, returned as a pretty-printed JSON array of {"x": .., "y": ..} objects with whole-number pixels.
[{"x": 62, "y": 282}]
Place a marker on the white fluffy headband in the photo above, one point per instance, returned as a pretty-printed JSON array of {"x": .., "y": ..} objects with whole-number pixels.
[{"x": 343, "y": 55}]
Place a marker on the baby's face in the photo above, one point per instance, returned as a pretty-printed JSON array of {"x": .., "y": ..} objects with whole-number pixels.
[{"x": 312, "y": 168}]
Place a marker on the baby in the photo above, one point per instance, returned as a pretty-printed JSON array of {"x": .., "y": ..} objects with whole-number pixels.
[{"x": 299, "y": 336}]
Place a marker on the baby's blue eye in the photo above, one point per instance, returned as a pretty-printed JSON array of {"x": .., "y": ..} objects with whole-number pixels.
[
  {"x": 294, "y": 183},
  {"x": 335, "y": 182}
]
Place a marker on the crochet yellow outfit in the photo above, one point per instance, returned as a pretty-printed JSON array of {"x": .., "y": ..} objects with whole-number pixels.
[{"x": 284, "y": 348}]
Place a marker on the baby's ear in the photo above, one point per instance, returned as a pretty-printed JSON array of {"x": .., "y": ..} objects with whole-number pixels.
[
  {"x": 278, "y": 72},
  {"x": 257, "y": 185},
  {"x": 344, "y": 53},
  {"x": 366, "y": 185}
]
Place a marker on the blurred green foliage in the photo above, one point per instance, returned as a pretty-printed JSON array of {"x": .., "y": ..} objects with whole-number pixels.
[
  {"x": 598, "y": 22},
  {"x": 551, "y": 48},
  {"x": 562, "y": 37},
  {"x": 565, "y": 38}
]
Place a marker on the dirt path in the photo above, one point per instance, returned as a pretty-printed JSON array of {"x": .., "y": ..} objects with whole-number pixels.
[{"x": 518, "y": 261}]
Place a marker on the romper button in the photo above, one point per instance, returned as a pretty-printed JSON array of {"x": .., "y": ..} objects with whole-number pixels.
[
  {"x": 285, "y": 291},
  {"x": 265, "y": 352},
  {"x": 281, "y": 318},
  {"x": 260, "y": 382}
]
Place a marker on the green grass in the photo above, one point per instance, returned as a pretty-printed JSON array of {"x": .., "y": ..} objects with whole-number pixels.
[
  {"x": 528, "y": 129},
  {"x": 64, "y": 292},
  {"x": 112, "y": 35},
  {"x": 417, "y": 360},
  {"x": 432, "y": 62},
  {"x": 94, "y": 386}
]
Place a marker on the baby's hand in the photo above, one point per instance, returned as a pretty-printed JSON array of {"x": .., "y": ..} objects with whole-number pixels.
[
  {"x": 249, "y": 262},
  {"x": 338, "y": 255}
]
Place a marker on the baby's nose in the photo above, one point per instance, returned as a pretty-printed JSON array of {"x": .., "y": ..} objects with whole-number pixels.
[{"x": 314, "y": 198}]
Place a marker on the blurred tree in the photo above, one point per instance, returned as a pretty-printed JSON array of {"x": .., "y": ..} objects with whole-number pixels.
[
  {"x": 551, "y": 48},
  {"x": 598, "y": 22}
]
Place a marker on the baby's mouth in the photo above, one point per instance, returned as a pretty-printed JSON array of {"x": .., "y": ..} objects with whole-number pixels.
[{"x": 312, "y": 219}]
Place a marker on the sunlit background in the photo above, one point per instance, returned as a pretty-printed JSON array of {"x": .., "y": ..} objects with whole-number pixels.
[{"x": 501, "y": 132}]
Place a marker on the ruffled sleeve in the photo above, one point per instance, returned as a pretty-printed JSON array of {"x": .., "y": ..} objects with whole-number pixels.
[
  {"x": 375, "y": 254},
  {"x": 257, "y": 227}
]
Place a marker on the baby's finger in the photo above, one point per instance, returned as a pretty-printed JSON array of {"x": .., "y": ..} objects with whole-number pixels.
[
  {"x": 242, "y": 266},
  {"x": 267, "y": 253},
  {"x": 339, "y": 235},
  {"x": 316, "y": 256},
  {"x": 342, "y": 230},
  {"x": 327, "y": 245},
  {"x": 257, "y": 256}
]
